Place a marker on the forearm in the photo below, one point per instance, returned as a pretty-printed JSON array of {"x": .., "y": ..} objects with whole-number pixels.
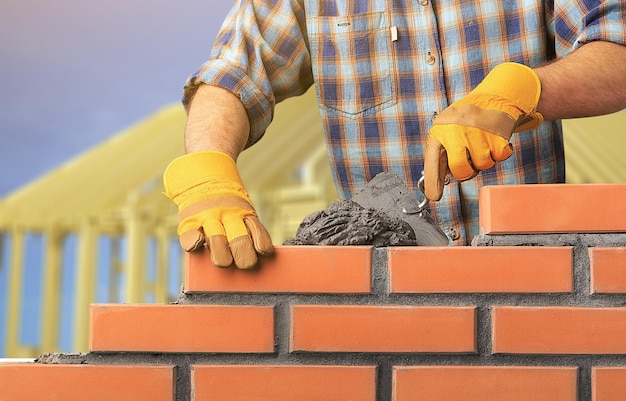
[
  {"x": 217, "y": 120},
  {"x": 590, "y": 81}
]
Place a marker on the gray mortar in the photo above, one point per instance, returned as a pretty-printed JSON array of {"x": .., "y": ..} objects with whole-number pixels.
[
  {"x": 586, "y": 239},
  {"x": 348, "y": 223},
  {"x": 384, "y": 213}
]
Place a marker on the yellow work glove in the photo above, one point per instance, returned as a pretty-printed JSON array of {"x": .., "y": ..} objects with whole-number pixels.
[
  {"x": 214, "y": 208},
  {"x": 473, "y": 133}
]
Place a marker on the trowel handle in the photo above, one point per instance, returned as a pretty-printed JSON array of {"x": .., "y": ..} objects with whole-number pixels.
[{"x": 435, "y": 169}]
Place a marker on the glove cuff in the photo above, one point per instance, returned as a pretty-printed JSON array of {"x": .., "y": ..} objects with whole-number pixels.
[
  {"x": 198, "y": 174},
  {"x": 514, "y": 82}
]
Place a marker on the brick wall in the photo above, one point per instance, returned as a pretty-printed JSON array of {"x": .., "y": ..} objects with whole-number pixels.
[{"x": 533, "y": 311}]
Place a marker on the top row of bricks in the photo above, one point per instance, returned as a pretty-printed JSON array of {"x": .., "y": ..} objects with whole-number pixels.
[
  {"x": 349, "y": 270},
  {"x": 552, "y": 208},
  {"x": 518, "y": 209}
]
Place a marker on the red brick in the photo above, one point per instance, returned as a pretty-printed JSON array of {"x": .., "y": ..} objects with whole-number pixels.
[
  {"x": 297, "y": 269},
  {"x": 552, "y": 208},
  {"x": 608, "y": 270},
  {"x": 484, "y": 383},
  {"x": 608, "y": 383},
  {"x": 283, "y": 383},
  {"x": 355, "y": 328},
  {"x": 481, "y": 269},
  {"x": 28, "y": 382},
  {"x": 559, "y": 330},
  {"x": 182, "y": 328}
]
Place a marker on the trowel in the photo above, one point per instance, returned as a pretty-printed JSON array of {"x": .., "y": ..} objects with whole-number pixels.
[{"x": 387, "y": 193}]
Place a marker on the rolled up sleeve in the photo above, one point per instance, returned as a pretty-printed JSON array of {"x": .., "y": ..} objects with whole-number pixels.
[
  {"x": 581, "y": 21},
  {"x": 261, "y": 55}
]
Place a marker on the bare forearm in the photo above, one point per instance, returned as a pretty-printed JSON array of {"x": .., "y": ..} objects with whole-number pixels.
[
  {"x": 216, "y": 120},
  {"x": 590, "y": 81}
]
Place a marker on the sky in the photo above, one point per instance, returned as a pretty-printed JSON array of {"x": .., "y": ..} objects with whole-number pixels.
[{"x": 74, "y": 73}]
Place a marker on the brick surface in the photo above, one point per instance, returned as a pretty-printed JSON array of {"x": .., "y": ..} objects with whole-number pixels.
[
  {"x": 29, "y": 382},
  {"x": 608, "y": 270},
  {"x": 355, "y": 328},
  {"x": 559, "y": 330},
  {"x": 298, "y": 269},
  {"x": 283, "y": 383},
  {"x": 552, "y": 208},
  {"x": 608, "y": 383},
  {"x": 484, "y": 383},
  {"x": 182, "y": 328},
  {"x": 481, "y": 269}
]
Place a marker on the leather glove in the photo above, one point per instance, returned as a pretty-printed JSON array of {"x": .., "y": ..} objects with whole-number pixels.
[
  {"x": 473, "y": 133},
  {"x": 214, "y": 208}
]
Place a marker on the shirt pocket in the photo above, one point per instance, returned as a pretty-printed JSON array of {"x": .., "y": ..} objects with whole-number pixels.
[{"x": 352, "y": 62}]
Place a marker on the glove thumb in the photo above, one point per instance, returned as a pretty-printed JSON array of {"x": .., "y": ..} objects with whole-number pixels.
[
  {"x": 435, "y": 169},
  {"x": 192, "y": 240}
]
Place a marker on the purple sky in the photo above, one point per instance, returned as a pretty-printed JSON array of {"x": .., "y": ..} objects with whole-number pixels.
[{"x": 75, "y": 72}]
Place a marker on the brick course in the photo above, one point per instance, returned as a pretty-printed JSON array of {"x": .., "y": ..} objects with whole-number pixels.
[
  {"x": 181, "y": 328},
  {"x": 315, "y": 270},
  {"x": 481, "y": 269},
  {"x": 283, "y": 383},
  {"x": 485, "y": 383},
  {"x": 608, "y": 383},
  {"x": 552, "y": 208},
  {"x": 29, "y": 382},
  {"x": 608, "y": 270},
  {"x": 533, "y": 311},
  {"x": 559, "y": 330},
  {"x": 358, "y": 328}
]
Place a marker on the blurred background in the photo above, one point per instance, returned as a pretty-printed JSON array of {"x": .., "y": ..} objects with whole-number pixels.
[
  {"x": 90, "y": 116},
  {"x": 76, "y": 72}
]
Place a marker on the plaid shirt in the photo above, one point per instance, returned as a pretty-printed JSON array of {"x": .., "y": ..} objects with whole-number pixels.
[{"x": 383, "y": 68}]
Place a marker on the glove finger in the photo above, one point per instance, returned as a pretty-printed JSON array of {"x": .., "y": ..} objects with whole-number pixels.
[
  {"x": 481, "y": 160},
  {"x": 220, "y": 252},
  {"x": 217, "y": 242},
  {"x": 460, "y": 164},
  {"x": 195, "y": 228},
  {"x": 243, "y": 252},
  {"x": 480, "y": 150},
  {"x": 241, "y": 247},
  {"x": 192, "y": 240},
  {"x": 455, "y": 144},
  {"x": 435, "y": 169},
  {"x": 260, "y": 237},
  {"x": 501, "y": 149},
  {"x": 233, "y": 224}
]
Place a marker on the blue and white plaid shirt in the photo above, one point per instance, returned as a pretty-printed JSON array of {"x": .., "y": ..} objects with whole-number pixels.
[{"x": 383, "y": 68}]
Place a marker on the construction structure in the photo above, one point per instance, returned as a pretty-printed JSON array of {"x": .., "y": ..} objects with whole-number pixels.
[{"x": 100, "y": 229}]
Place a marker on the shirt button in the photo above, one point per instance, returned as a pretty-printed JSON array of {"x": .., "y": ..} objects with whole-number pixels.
[
  {"x": 423, "y": 2},
  {"x": 446, "y": 180},
  {"x": 430, "y": 59},
  {"x": 454, "y": 234}
]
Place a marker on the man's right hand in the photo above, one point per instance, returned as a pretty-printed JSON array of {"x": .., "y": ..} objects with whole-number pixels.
[{"x": 214, "y": 208}]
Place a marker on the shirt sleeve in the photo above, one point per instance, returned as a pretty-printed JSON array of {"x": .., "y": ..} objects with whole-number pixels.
[
  {"x": 261, "y": 55},
  {"x": 577, "y": 22}
]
